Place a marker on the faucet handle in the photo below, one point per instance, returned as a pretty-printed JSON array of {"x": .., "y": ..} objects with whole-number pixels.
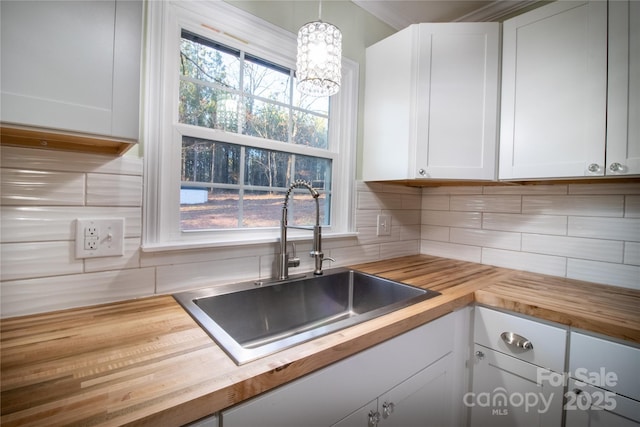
[{"x": 294, "y": 261}]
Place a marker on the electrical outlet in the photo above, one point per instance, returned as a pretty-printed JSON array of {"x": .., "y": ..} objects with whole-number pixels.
[
  {"x": 384, "y": 225},
  {"x": 99, "y": 237}
]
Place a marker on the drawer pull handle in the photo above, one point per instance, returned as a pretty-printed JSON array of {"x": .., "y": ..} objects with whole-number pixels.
[{"x": 516, "y": 341}]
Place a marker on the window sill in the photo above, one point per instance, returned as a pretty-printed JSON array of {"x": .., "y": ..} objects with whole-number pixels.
[{"x": 180, "y": 246}]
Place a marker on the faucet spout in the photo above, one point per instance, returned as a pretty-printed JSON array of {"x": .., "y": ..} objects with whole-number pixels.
[{"x": 284, "y": 262}]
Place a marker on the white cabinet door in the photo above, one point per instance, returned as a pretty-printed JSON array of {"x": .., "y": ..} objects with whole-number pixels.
[
  {"x": 623, "y": 111},
  {"x": 421, "y": 401},
  {"x": 506, "y": 392},
  {"x": 554, "y": 92},
  {"x": 431, "y": 97},
  {"x": 72, "y": 65}
]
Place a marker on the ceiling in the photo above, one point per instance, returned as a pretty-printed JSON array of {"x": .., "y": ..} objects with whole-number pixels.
[{"x": 402, "y": 13}]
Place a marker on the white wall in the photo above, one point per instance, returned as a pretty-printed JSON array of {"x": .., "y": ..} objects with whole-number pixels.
[
  {"x": 43, "y": 192},
  {"x": 580, "y": 231}
]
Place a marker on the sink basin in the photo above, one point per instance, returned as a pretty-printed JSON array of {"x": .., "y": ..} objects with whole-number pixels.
[{"x": 252, "y": 320}]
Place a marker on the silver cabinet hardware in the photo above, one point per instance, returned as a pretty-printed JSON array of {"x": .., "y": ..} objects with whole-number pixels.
[
  {"x": 516, "y": 341},
  {"x": 593, "y": 167},
  {"x": 616, "y": 167},
  {"x": 479, "y": 355}
]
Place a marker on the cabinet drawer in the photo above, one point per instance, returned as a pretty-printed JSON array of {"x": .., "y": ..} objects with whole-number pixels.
[
  {"x": 593, "y": 407},
  {"x": 598, "y": 360},
  {"x": 548, "y": 342}
]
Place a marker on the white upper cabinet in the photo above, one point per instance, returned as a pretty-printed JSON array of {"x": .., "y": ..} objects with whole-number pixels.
[
  {"x": 72, "y": 66},
  {"x": 554, "y": 118},
  {"x": 431, "y": 99},
  {"x": 623, "y": 113}
]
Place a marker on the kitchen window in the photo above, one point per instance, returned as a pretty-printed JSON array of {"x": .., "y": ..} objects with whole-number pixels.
[{"x": 227, "y": 132}]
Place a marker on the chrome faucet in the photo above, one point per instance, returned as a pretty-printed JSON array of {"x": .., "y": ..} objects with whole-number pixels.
[{"x": 284, "y": 262}]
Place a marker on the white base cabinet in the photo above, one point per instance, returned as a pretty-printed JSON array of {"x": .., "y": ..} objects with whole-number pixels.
[
  {"x": 414, "y": 371},
  {"x": 594, "y": 407},
  {"x": 605, "y": 386},
  {"x": 506, "y": 392},
  {"x": 422, "y": 400},
  {"x": 517, "y": 368}
]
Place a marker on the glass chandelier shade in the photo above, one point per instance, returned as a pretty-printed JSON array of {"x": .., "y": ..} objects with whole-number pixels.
[{"x": 319, "y": 59}]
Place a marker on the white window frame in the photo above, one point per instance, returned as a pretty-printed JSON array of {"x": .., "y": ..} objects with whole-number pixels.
[{"x": 162, "y": 134}]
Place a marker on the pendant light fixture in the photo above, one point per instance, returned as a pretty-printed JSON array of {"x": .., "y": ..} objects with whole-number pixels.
[{"x": 319, "y": 59}]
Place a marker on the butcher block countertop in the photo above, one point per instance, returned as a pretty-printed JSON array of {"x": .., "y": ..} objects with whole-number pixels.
[{"x": 146, "y": 362}]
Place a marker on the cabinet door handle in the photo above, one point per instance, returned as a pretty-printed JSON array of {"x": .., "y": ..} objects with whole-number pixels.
[
  {"x": 617, "y": 168},
  {"x": 593, "y": 168},
  {"x": 516, "y": 341}
]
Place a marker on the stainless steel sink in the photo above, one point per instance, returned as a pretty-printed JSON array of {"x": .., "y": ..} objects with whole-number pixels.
[{"x": 250, "y": 320}]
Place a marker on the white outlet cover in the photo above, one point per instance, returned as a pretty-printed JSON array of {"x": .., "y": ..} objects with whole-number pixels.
[
  {"x": 384, "y": 225},
  {"x": 109, "y": 234}
]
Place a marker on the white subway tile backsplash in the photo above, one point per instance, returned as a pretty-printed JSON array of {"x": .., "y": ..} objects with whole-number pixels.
[
  {"x": 435, "y": 203},
  {"x": 409, "y": 232},
  {"x": 543, "y": 224},
  {"x": 37, "y": 223},
  {"x": 590, "y": 228},
  {"x": 627, "y": 276},
  {"x": 172, "y": 278},
  {"x": 41, "y": 188},
  {"x": 404, "y": 217},
  {"x": 632, "y": 253},
  {"x": 435, "y": 232},
  {"x": 605, "y": 188},
  {"x": 632, "y": 207},
  {"x": 574, "y": 247},
  {"x": 59, "y": 292},
  {"x": 355, "y": 254},
  {"x": 537, "y": 263},
  {"x": 114, "y": 190},
  {"x": 606, "y": 206},
  {"x": 548, "y": 189},
  {"x": 451, "y": 250},
  {"x": 605, "y": 228},
  {"x": 411, "y": 201},
  {"x": 557, "y": 223},
  {"x": 452, "y": 219},
  {"x": 486, "y": 238},
  {"x": 368, "y": 200},
  {"x": 501, "y": 204},
  {"x": 397, "y": 249},
  {"x": 49, "y": 160},
  {"x": 38, "y": 259}
]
